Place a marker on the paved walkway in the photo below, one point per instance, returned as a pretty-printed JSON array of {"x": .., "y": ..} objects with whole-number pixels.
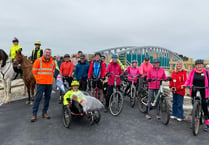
[{"x": 130, "y": 128}]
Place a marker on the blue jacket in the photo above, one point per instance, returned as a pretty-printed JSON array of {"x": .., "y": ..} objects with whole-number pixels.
[{"x": 81, "y": 70}]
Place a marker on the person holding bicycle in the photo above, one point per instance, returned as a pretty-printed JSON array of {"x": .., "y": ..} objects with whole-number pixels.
[
  {"x": 179, "y": 76},
  {"x": 115, "y": 68},
  {"x": 199, "y": 77},
  {"x": 132, "y": 71},
  {"x": 97, "y": 71},
  {"x": 154, "y": 73}
]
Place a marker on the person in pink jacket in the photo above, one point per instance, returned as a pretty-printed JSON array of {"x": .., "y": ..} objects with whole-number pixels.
[
  {"x": 113, "y": 67},
  {"x": 146, "y": 66},
  {"x": 199, "y": 77},
  {"x": 132, "y": 71},
  {"x": 154, "y": 73}
]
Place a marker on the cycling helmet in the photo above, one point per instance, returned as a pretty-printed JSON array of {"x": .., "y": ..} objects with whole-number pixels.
[
  {"x": 146, "y": 58},
  {"x": 103, "y": 57},
  {"x": 156, "y": 60},
  {"x": 114, "y": 56},
  {"x": 82, "y": 56},
  {"x": 37, "y": 42},
  {"x": 134, "y": 61},
  {"x": 198, "y": 61},
  {"x": 15, "y": 40},
  {"x": 97, "y": 53},
  {"x": 75, "y": 83},
  {"x": 66, "y": 55}
]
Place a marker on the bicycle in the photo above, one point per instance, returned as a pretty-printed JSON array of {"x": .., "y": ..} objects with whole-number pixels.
[
  {"x": 197, "y": 113},
  {"x": 95, "y": 92},
  {"x": 161, "y": 98},
  {"x": 133, "y": 90},
  {"x": 143, "y": 94},
  {"x": 116, "y": 99}
]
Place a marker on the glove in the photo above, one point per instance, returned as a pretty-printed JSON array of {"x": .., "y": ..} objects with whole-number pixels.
[
  {"x": 149, "y": 80},
  {"x": 169, "y": 79},
  {"x": 107, "y": 74}
]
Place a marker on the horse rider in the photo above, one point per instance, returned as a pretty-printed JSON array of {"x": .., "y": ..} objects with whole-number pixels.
[
  {"x": 37, "y": 52},
  {"x": 13, "y": 50}
]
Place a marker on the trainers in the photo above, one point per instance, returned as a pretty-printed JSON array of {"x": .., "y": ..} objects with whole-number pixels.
[
  {"x": 179, "y": 119},
  {"x": 206, "y": 129},
  {"x": 105, "y": 109},
  {"x": 173, "y": 117},
  {"x": 148, "y": 117},
  {"x": 158, "y": 117}
]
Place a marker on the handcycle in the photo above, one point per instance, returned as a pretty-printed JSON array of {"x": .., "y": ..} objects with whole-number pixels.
[
  {"x": 197, "y": 112},
  {"x": 89, "y": 107}
]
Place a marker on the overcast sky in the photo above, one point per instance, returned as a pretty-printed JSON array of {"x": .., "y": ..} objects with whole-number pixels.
[{"x": 67, "y": 26}]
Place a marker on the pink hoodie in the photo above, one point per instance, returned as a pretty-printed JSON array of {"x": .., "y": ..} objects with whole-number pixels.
[
  {"x": 155, "y": 74},
  {"x": 132, "y": 71},
  {"x": 190, "y": 78},
  {"x": 145, "y": 68}
]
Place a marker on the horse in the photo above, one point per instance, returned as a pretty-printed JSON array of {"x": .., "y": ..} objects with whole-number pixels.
[
  {"x": 28, "y": 77},
  {"x": 7, "y": 74}
]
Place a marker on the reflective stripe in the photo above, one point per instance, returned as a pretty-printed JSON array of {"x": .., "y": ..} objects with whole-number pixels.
[
  {"x": 46, "y": 69},
  {"x": 46, "y": 73},
  {"x": 35, "y": 68}
]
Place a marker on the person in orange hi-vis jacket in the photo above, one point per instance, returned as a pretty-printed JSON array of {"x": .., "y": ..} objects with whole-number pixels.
[{"x": 43, "y": 71}]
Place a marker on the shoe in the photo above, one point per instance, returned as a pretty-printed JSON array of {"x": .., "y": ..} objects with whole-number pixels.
[
  {"x": 158, "y": 117},
  {"x": 60, "y": 102},
  {"x": 33, "y": 119},
  {"x": 173, "y": 117},
  {"x": 148, "y": 117},
  {"x": 46, "y": 116},
  {"x": 179, "y": 119},
  {"x": 105, "y": 109},
  {"x": 206, "y": 129}
]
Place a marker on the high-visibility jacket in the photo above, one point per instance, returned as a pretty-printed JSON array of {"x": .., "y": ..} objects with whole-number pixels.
[
  {"x": 39, "y": 54},
  {"x": 43, "y": 71},
  {"x": 70, "y": 94},
  {"x": 13, "y": 50}
]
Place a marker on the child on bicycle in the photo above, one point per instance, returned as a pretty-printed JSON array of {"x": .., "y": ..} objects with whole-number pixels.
[
  {"x": 115, "y": 68},
  {"x": 199, "y": 77},
  {"x": 71, "y": 95},
  {"x": 132, "y": 71}
]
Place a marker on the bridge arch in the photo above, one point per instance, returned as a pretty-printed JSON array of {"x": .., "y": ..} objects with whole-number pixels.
[{"x": 129, "y": 53}]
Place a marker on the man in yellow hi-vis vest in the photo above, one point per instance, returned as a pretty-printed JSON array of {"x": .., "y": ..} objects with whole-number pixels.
[
  {"x": 37, "y": 52},
  {"x": 13, "y": 49}
]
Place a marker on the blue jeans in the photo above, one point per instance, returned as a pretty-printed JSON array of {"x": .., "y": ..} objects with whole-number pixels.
[
  {"x": 178, "y": 105},
  {"x": 46, "y": 89},
  {"x": 151, "y": 95}
]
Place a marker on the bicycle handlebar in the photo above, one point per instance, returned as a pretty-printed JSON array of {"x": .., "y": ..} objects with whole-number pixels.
[
  {"x": 195, "y": 87},
  {"x": 108, "y": 74}
]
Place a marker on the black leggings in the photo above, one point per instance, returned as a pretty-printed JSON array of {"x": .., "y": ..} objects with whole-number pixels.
[
  {"x": 109, "y": 93},
  {"x": 204, "y": 102}
]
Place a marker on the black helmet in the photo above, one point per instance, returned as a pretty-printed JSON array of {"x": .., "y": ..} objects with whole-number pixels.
[
  {"x": 97, "y": 53},
  {"x": 147, "y": 58},
  {"x": 66, "y": 55},
  {"x": 199, "y": 61},
  {"x": 156, "y": 60},
  {"x": 82, "y": 56},
  {"x": 15, "y": 40}
]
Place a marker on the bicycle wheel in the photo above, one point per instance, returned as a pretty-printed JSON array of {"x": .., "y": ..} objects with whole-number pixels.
[
  {"x": 97, "y": 116},
  {"x": 196, "y": 118},
  {"x": 164, "y": 111},
  {"x": 142, "y": 102},
  {"x": 132, "y": 96},
  {"x": 116, "y": 103},
  {"x": 66, "y": 117}
]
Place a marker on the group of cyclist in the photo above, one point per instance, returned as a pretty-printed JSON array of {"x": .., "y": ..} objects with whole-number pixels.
[{"x": 97, "y": 70}]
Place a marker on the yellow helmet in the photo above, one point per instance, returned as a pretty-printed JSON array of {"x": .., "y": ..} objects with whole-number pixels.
[
  {"x": 75, "y": 83},
  {"x": 37, "y": 42}
]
